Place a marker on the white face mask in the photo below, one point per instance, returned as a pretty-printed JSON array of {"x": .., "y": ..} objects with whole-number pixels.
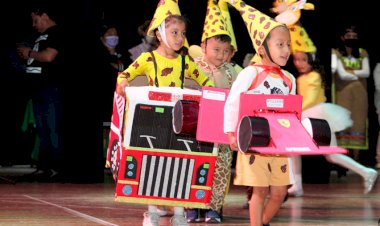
[{"x": 112, "y": 41}]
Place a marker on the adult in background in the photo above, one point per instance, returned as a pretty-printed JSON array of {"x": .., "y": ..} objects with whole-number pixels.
[
  {"x": 44, "y": 63},
  {"x": 110, "y": 62},
  {"x": 349, "y": 88}
]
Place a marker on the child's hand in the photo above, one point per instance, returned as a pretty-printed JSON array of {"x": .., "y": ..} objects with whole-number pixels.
[
  {"x": 120, "y": 89},
  {"x": 233, "y": 143}
]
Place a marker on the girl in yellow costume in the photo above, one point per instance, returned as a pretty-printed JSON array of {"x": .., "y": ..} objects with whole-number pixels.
[
  {"x": 310, "y": 86},
  {"x": 164, "y": 66}
]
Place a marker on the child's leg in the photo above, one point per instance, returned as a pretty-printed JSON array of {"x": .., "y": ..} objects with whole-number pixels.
[
  {"x": 296, "y": 189},
  {"x": 277, "y": 195},
  {"x": 151, "y": 218},
  {"x": 249, "y": 196},
  {"x": 369, "y": 175},
  {"x": 179, "y": 210},
  {"x": 348, "y": 163},
  {"x": 179, "y": 217},
  {"x": 152, "y": 208},
  {"x": 162, "y": 210},
  {"x": 256, "y": 206}
]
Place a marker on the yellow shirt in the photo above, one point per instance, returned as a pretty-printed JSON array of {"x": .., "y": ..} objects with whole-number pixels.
[
  {"x": 310, "y": 87},
  {"x": 168, "y": 70}
]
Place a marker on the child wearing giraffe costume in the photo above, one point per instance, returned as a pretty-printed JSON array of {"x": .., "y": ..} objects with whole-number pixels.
[
  {"x": 265, "y": 173},
  {"x": 164, "y": 67},
  {"x": 218, "y": 44}
]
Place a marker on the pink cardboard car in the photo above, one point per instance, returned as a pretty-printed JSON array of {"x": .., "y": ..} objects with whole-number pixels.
[{"x": 269, "y": 124}]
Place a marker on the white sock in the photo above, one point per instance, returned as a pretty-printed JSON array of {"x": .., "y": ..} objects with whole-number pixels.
[
  {"x": 297, "y": 183},
  {"x": 152, "y": 208},
  {"x": 179, "y": 210}
]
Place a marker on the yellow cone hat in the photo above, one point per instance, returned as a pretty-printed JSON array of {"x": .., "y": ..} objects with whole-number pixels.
[
  {"x": 214, "y": 22},
  {"x": 300, "y": 41},
  {"x": 258, "y": 24},
  {"x": 164, "y": 9},
  {"x": 223, "y": 6}
]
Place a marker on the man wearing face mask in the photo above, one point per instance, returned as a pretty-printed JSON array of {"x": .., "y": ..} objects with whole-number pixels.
[{"x": 349, "y": 88}]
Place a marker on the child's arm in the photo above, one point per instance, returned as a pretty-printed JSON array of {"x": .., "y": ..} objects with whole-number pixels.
[
  {"x": 194, "y": 72},
  {"x": 233, "y": 141},
  {"x": 138, "y": 67},
  {"x": 309, "y": 89},
  {"x": 231, "y": 107}
]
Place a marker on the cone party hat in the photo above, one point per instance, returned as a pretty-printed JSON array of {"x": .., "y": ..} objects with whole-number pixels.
[
  {"x": 300, "y": 40},
  {"x": 164, "y": 9},
  {"x": 227, "y": 19},
  {"x": 214, "y": 22},
  {"x": 258, "y": 24}
]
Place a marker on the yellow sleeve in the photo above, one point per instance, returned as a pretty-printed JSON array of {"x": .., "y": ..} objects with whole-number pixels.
[
  {"x": 309, "y": 87},
  {"x": 238, "y": 68},
  {"x": 197, "y": 74},
  {"x": 138, "y": 67}
]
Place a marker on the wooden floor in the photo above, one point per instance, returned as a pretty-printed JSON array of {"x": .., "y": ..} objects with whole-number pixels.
[{"x": 340, "y": 202}]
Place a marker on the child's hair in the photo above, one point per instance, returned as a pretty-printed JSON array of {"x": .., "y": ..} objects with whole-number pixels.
[
  {"x": 176, "y": 18},
  {"x": 316, "y": 65},
  {"x": 142, "y": 29},
  {"x": 223, "y": 38}
]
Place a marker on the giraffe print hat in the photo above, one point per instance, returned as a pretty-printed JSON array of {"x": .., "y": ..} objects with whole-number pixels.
[
  {"x": 218, "y": 21},
  {"x": 258, "y": 24},
  {"x": 164, "y": 9}
]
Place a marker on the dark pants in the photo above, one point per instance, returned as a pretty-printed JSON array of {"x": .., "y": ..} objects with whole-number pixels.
[{"x": 48, "y": 116}]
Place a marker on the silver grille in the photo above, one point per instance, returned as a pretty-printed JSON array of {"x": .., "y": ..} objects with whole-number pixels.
[{"x": 166, "y": 177}]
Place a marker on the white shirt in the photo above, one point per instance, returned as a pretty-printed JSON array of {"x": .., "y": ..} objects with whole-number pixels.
[{"x": 270, "y": 85}]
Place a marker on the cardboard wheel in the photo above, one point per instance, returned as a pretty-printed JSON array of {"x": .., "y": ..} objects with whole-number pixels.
[
  {"x": 319, "y": 130},
  {"x": 185, "y": 117},
  {"x": 253, "y": 132}
]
